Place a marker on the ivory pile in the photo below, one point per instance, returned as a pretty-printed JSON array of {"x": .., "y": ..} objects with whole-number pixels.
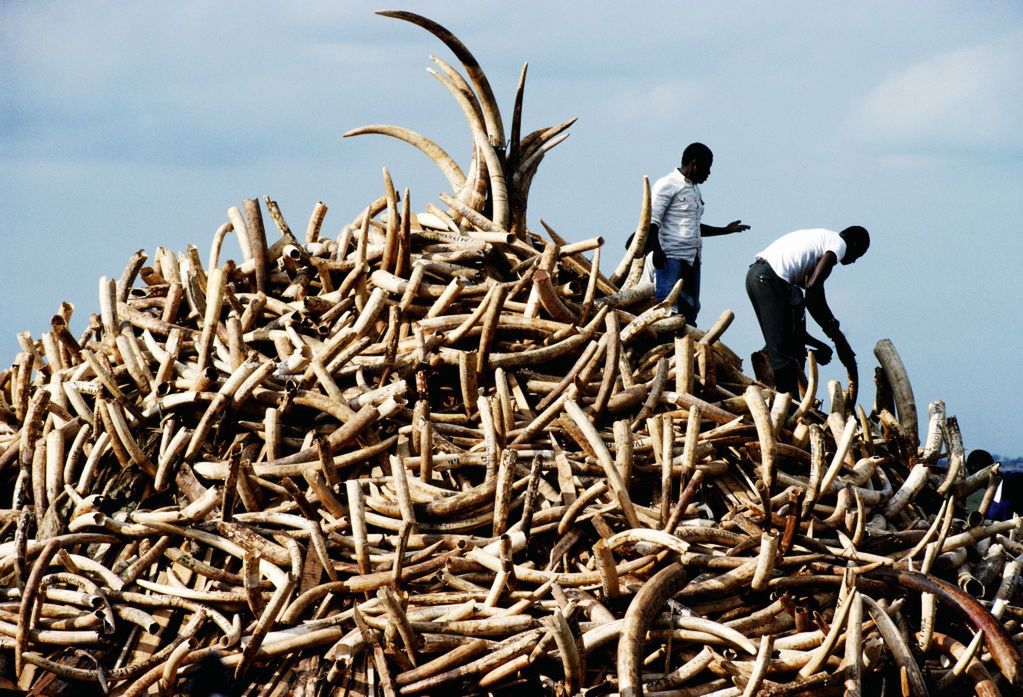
[{"x": 438, "y": 453}]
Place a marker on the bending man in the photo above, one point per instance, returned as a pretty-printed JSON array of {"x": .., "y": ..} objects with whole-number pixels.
[
  {"x": 801, "y": 260},
  {"x": 676, "y": 231}
]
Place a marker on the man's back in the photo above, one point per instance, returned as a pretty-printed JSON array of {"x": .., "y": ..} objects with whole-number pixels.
[{"x": 795, "y": 255}]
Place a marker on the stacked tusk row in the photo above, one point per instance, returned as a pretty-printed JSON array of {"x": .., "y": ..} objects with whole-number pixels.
[{"x": 441, "y": 454}]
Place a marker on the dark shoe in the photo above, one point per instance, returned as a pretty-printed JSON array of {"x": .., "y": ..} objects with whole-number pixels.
[{"x": 762, "y": 367}]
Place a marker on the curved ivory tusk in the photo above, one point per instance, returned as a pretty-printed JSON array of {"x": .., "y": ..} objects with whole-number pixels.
[
  {"x": 527, "y": 168},
  {"x": 442, "y": 663},
  {"x": 489, "y": 230},
  {"x": 631, "y": 266},
  {"x": 935, "y": 432},
  {"x": 908, "y": 491},
  {"x": 389, "y": 260},
  {"x": 498, "y": 188},
  {"x": 491, "y": 114},
  {"x": 684, "y": 673},
  {"x": 535, "y": 140},
  {"x": 902, "y": 390},
  {"x": 760, "y": 666},
  {"x": 568, "y": 649},
  {"x": 657, "y": 387},
  {"x": 642, "y": 610},
  {"x": 821, "y": 654},
  {"x": 596, "y": 442},
  {"x": 983, "y": 683},
  {"x": 591, "y": 286},
  {"x": 257, "y": 244},
  {"x": 723, "y": 583},
  {"x": 218, "y": 242},
  {"x": 854, "y": 647},
  {"x": 462, "y": 85},
  {"x": 842, "y": 449},
  {"x": 577, "y": 506},
  {"x": 765, "y": 431},
  {"x": 612, "y": 353},
  {"x": 1000, "y": 645},
  {"x": 660, "y": 538},
  {"x": 514, "y": 141},
  {"x": 547, "y": 353},
  {"x": 28, "y": 610},
  {"x": 523, "y": 167},
  {"x": 241, "y": 230},
  {"x": 765, "y": 561},
  {"x": 548, "y": 296},
  {"x": 169, "y": 677},
  {"x": 470, "y": 110},
  {"x": 956, "y": 454},
  {"x": 474, "y": 193},
  {"x": 446, "y": 164}
]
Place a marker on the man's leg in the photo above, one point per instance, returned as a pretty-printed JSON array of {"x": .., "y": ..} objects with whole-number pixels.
[
  {"x": 770, "y": 296},
  {"x": 666, "y": 278},
  {"x": 689, "y": 301}
]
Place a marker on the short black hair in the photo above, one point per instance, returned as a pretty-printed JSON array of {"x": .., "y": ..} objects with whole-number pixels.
[
  {"x": 696, "y": 151},
  {"x": 857, "y": 238}
]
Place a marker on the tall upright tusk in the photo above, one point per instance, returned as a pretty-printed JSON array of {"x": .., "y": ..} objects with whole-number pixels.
[
  {"x": 514, "y": 139},
  {"x": 522, "y": 162},
  {"x": 635, "y": 274},
  {"x": 257, "y": 243},
  {"x": 474, "y": 193},
  {"x": 462, "y": 85},
  {"x": 935, "y": 432},
  {"x": 491, "y": 114},
  {"x": 498, "y": 188}
]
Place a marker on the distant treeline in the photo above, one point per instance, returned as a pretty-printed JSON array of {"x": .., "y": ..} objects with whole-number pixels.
[{"x": 1010, "y": 463}]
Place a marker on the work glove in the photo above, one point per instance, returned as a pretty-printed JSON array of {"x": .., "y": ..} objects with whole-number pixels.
[
  {"x": 823, "y": 354},
  {"x": 845, "y": 352},
  {"x": 653, "y": 246}
]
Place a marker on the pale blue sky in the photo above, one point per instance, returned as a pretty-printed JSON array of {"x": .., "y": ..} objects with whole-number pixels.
[{"x": 131, "y": 125}]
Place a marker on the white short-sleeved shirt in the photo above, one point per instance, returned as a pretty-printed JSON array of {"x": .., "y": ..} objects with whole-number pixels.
[
  {"x": 676, "y": 207},
  {"x": 794, "y": 256}
]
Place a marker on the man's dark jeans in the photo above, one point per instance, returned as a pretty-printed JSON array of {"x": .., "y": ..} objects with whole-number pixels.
[
  {"x": 781, "y": 313},
  {"x": 688, "y": 304}
]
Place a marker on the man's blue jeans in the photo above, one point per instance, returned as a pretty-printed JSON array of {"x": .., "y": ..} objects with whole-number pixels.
[{"x": 688, "y": 304}]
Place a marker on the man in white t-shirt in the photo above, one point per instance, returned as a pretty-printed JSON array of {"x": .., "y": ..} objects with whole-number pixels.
[
  {"x": 796, "y": 262},
  {"x": 676, "y": 232}
]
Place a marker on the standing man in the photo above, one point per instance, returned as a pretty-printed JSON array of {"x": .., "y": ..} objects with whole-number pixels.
[
  {"x": 676, "y": 231},
  {"x": 801, "y": 260}
]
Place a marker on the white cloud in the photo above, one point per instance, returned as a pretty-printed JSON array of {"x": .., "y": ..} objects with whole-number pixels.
[
  {"x": 664, "y": 101},
  {"x": 967, "y": 99}
]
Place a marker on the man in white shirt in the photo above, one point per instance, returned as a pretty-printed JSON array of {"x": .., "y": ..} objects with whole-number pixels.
[
  {"x": 801, "y": 260},
  {"x": 676, "y": 233}
]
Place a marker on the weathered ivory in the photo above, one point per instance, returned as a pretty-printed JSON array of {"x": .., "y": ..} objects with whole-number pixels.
[{"x": 234, "y": 440}]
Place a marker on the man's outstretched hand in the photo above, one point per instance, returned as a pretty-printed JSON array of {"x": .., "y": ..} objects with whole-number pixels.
[{"x": 736, "y": 226}]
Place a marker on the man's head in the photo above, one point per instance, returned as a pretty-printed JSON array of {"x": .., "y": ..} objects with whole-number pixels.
[
  {"x": 857, "y": 241},
  {"x": 696, "y": 161}
]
